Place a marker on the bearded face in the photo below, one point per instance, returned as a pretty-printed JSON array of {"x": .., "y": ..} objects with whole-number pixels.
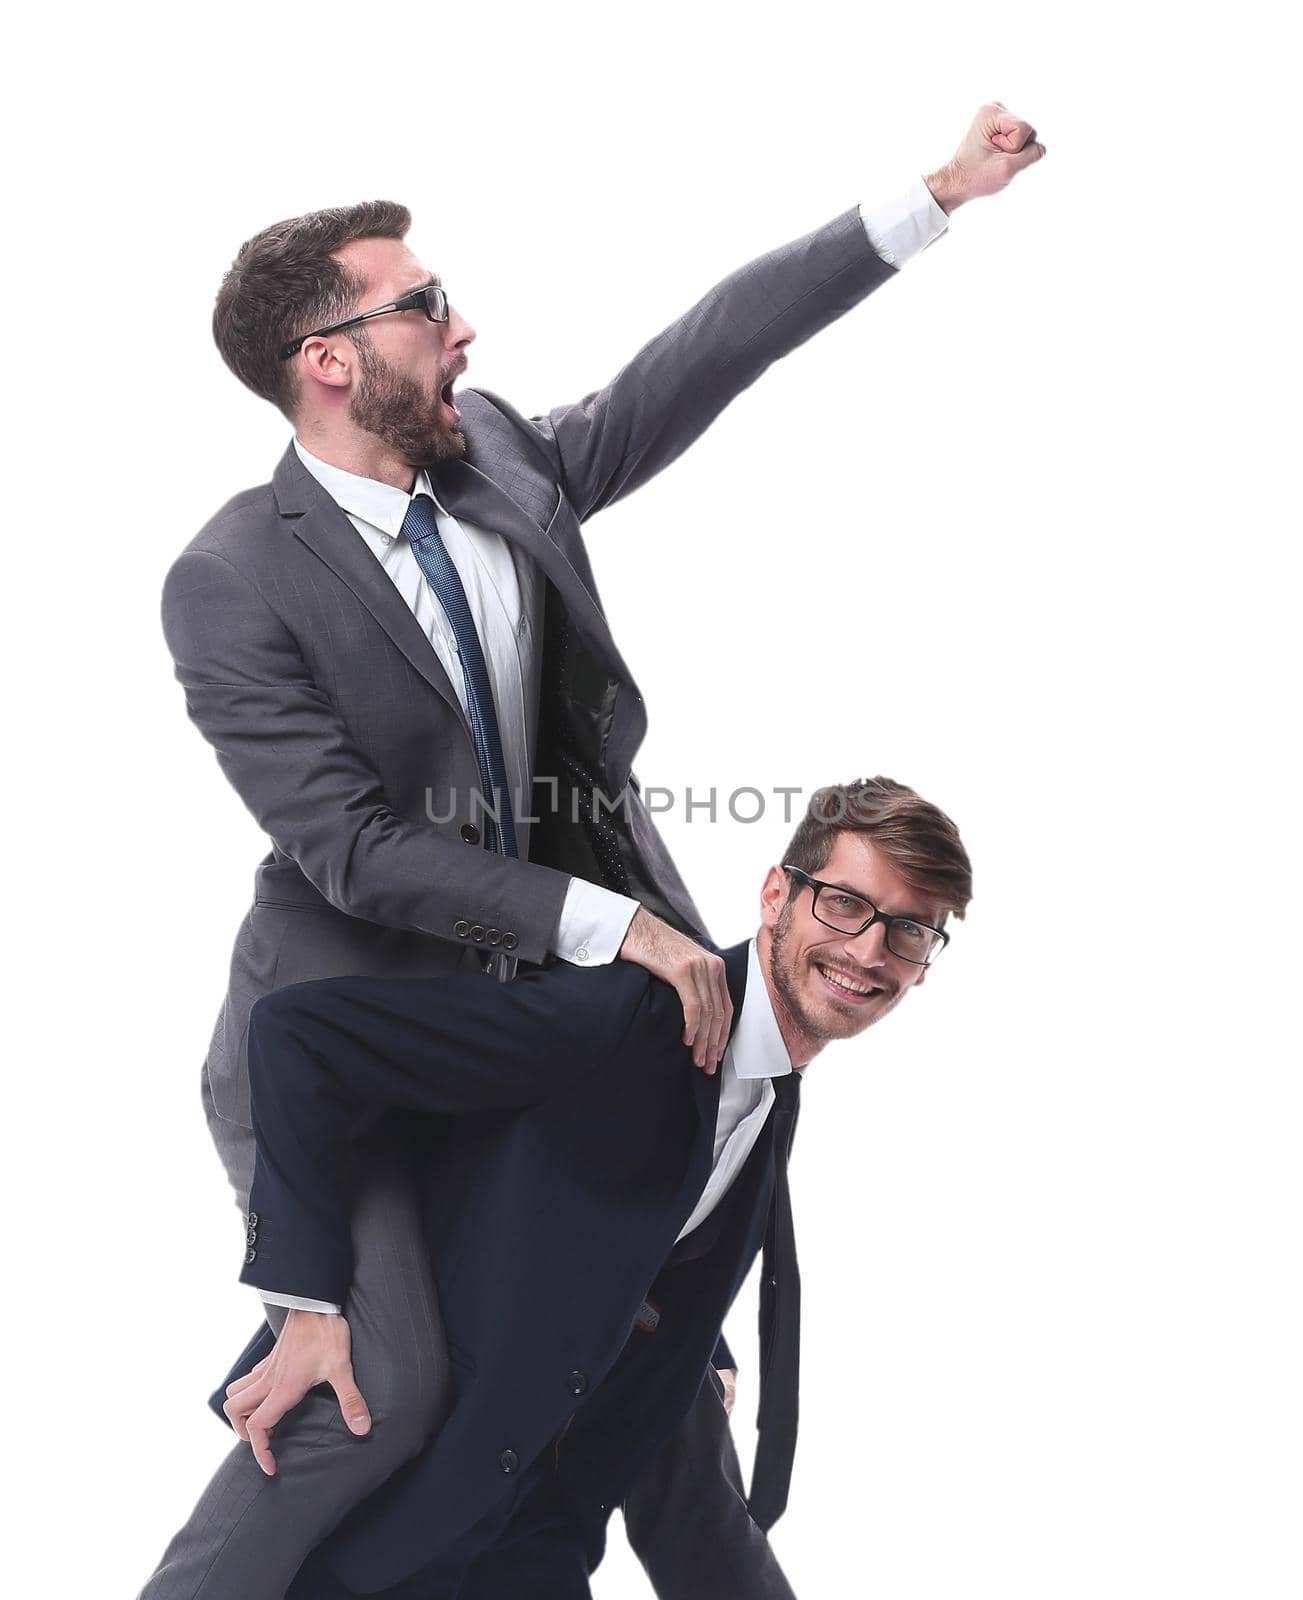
[{"x": 421, "y": 425}]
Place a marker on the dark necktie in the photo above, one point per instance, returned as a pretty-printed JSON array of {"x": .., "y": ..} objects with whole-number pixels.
[
  {"x": 432, "y": 557},
  {"x": 780, "y": 1327}
]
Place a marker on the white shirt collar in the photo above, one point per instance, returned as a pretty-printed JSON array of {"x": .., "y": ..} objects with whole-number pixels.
[
  {"x": 380, "y": 504},
  {"x": 757, "y": 1043}
]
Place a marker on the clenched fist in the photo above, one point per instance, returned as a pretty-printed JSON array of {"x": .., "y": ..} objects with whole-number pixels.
[{"x": 997, "y": 146}]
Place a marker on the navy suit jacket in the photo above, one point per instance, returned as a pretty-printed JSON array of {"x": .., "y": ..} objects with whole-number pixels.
[{"x": 582, "y": 1141}]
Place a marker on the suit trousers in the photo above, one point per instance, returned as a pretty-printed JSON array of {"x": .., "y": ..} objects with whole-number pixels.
[
  {"x": 249, "y": 1533},
  {"x": 686, "y": 1519},
  {"x": 696, "y": 1483}
]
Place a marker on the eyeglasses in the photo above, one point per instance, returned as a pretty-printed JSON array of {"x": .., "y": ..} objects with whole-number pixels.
[
  {"x": 852, "y": 914},
  {"x": 432, "y": 299}
]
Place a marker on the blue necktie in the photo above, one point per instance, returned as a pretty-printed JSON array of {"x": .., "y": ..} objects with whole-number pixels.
[{"x": 434, "y": 561}]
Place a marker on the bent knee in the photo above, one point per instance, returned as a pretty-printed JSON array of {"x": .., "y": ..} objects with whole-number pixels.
[
  {"x": 290, "y": 1004},
  {"x": 406, "y": 1414}
]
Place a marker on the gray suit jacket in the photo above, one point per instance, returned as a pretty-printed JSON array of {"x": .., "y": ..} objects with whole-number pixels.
[{"x": 330, "y": 712}]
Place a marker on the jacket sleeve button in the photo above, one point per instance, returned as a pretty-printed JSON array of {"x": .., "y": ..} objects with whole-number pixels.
[
  {"x": 509, "y": 940},
  {"x": 250, "y": 1256},
  {"x": 477, "y": 933},
  {"x": 461, "y": 929},
  {"x": 495, "y": 935}
]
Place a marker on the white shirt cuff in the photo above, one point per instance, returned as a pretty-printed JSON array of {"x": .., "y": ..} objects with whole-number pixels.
[
  {"x": 904, "y": 226},
  {"x": 593, "y": 924},
  {"x": 296, "y": 1302}
]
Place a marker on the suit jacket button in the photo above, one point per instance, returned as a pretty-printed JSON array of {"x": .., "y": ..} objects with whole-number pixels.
[
  {"x": 470, "y": 833},
  {"x": 495, "y": 935},
  {"x": 250, "y": 1255},
  {"x": 509, "y": 940},
  {"x": 508, "y": 1461},
  {"x": 252, "y": 1219},
  {"x": 461, "y": 929},
  {"x": 477, "y": 933},
  {"x": 577, "y": 1382}
]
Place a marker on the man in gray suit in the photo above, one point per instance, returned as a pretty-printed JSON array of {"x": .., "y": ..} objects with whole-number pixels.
[{"x": 397, "y": 651}]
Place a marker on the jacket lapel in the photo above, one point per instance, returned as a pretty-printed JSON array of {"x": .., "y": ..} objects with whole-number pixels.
[
  {"x": 707, "y": 1089},
  {"x": 472, "y": 496},
  {"x": 328, "y": 533}
]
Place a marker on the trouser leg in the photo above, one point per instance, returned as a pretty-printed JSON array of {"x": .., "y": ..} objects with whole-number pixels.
[
  {"x": 546, "y": 1552},
  {"x": 687, "y": 1520},
  {"x": 249, "y": 1533}
]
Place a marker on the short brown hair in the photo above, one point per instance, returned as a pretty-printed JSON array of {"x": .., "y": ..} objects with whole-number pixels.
[
  {"x": 284, "y": 282},
  {"x": 919, "y": 840}
]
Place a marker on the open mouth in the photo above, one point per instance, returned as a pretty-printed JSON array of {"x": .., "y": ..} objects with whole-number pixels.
[
  {"x": 852, "y": 991},
  {"x": 446, "y": 399}
]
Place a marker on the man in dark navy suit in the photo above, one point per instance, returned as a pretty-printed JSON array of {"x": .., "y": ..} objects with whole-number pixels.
[{"x": 594, "y": 1205}]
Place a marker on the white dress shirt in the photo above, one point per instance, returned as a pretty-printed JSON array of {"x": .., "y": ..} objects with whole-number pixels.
[
  {"x": 754, "y": 1055},
  {"x": 505, "y": 591}
]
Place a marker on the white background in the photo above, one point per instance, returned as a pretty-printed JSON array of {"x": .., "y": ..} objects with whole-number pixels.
[{"x": 1049, "y": 1210}]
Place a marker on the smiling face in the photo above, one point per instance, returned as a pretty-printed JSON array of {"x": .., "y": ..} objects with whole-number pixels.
[
  {"x": 397, "y": 377},
  {"x": 829, "y": 985}
]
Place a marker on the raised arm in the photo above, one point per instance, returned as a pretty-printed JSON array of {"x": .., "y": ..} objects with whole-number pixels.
[{"x": 618, "y": 437}]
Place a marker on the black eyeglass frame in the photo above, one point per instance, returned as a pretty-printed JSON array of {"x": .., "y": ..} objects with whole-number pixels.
[
  {"x": 816, "y": 884},
  {"x": 432, "y": 298}
]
